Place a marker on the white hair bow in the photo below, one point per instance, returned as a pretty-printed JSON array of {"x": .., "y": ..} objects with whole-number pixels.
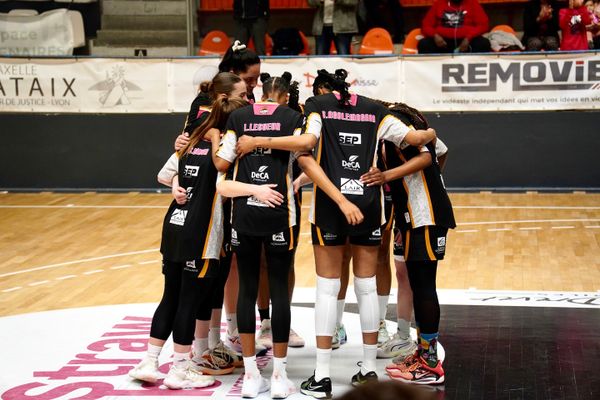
[{"x": 237, "y": 45}]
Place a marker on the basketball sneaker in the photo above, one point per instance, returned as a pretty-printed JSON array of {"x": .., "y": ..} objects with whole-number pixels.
[
  {"x": 419, "y": 372},
  {"x": 187, "y": 378},
  {"x": 360, "y": 379},
  {"x": 395, "y": 346},
  {"x": 233, "y": 342},
  {"x": 318, "y": 390},
  {"x": 214, "y": 363},
  {"x": 265, "y": 336},
  {"x": 146, "y": 371},
  {"x": 281, "y": 386},
  {"x": 382, "y": 333},
  {"x": 253, "y": 385},
  {"x": 339, "y": 337},
  {"x": 236, "y": 358},
  {"x": 295, "y": 340}
]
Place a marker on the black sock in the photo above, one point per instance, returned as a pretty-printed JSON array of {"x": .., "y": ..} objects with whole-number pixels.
[{"x": 264, "y": 314}]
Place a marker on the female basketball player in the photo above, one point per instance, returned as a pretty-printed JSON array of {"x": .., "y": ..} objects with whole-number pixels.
[
  {"x": 347, "y": 128},
  {"x": 191, "y": 246},
  {"x": 263, "y": 215}
]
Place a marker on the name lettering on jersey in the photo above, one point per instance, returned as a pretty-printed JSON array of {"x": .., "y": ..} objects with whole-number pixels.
[
  {"x": 350, "y": 139},
  {"x": 260, "y": 175},
  {"x": 260, "y": 151},
  {"x": 271, "y": 126},
  {"x": 253, "y": 201},
  {"x": 278, "y": 237},
  {"x": 191, "y": 266},
  {"x": 351, "y": 164},
  {"x": 351, "y": 186},
  {"x": 199, "y": 152},
  {"x": 190, "y": 171},
  {"x": 345, "y": 116},
  {"x": 178, "y": 217},
  {"x": 329, "y": 236}
]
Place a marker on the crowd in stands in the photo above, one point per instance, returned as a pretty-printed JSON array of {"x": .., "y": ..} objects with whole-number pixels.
[{"x": 449, "y": 26}]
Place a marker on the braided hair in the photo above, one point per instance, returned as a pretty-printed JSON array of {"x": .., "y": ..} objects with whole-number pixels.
[
  {"x": 335, "y": 81},
  {"x": 282, "y": 85}
]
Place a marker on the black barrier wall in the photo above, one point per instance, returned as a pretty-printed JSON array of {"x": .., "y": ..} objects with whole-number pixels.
[{"x": 526, "y": 150}]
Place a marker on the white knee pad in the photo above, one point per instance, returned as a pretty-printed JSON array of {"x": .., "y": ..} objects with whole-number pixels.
[
  {"x": 326, "y": 305},
  {"x": 368, "y": 303}
]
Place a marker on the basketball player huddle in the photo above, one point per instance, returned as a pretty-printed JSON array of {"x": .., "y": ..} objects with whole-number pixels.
[{"x": 231, "y": 232}]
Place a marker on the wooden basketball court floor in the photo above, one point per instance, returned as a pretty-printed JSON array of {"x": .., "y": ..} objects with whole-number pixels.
[{"x": 65, "y": 251}]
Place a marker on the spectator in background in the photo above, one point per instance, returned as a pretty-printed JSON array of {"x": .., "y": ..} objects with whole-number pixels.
[
  {"x": 596, "y": 20},
  {"x": 593, "y": 34},
  {"x": 251, "y": 17},
  {"x": 454, "y": 26},
  {"x": 335, "y": 20},
  {"x": 540, "y": 25},
  {"x": 574, "y": 23}
]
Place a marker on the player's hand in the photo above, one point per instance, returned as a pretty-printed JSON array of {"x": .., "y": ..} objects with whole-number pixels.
[
  {"x": 352, "y": 213},
  {"x": 296, "y": 185},
  {"x": 439, "y": 40},
  {"x": 245, "y": 144},
  {"x": 373, "y": 178},
  {"x": 463, "y": 47},
  {"x": 182, "y": 141},
  {"x": 268, "y": 195},
  {"x": 180, "y": 194}
]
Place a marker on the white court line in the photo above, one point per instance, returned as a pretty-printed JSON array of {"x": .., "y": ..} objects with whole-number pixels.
[
  {"x": 148, "y": 262},
  {"x": 498, "y": 229},
  {"x": 528, "y": 221},
  {"x": 77, "y": 262},
  {"x": 593, "y": 226},
  {"x": 12, "y": 289},
  {"x": 563, "y": 227},
  {"x": 93, "y": 272},
  {"x": 38, "y": 283},
  {"x": 529, "y": 207},
  {"x": 466, "y": 230},
  {"x": 62, "y": 278},
  {"x": 530, "y": 228},
  {"x": 122, "y": 266},
  {"x": 75, "y": 206}
]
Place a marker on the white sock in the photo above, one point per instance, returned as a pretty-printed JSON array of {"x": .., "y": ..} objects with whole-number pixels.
[
  {"x": 403, "y": 328},
  {"x": 383, "y": 302},
  {"x": 340, "y": 311},
  {"x": 323, "y": 361},
  {"x": 250, "y": 366},
  {"x": 231, "y": 323},
  {"x": 326, "y": 305},
  {"x": 214, "y": 336},
  {"x": 181, "y": 360},
  {"x": 153, "y": 351},
  {"x": 200, "y": 346},
  {"x": 369, "y": 356},
  {"x": 368, "y": 307},
  {"x": 279, "y": 365}
]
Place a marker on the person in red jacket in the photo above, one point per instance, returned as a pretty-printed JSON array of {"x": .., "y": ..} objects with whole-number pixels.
[
  {"x": 574, "y": 23},
  {"x": 454, "y": 26}
]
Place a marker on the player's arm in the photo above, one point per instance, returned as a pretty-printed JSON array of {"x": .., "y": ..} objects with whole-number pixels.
[
  {"x": 301, "y": 180},
  {"x": 223, "y": 150},
  {"x": 441, "y": 151},
  {"x": 377, "y": 177},
  {"x": 168, "y": 171},
  {"x": 315, "y": 172},
  {"x": 265, "y": 193},
  {"x": 395, "y": 131},
  {"x": 303, "y": 143},
  {"x": 179, "y": 193}
]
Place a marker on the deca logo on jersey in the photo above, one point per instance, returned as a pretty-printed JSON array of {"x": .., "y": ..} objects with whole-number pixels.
[
  {"x": 351, "y": 164},
  {"x": 261, "y": 175},
  {"x": 351, "y": 186},
  {"x": 190, "y": 170},
  {"x": 350, "y": 139}
]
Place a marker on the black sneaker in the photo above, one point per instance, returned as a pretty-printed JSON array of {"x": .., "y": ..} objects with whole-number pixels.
[
  {"x": 360, "y": 379},
  {"x": 318, "y": 390}
]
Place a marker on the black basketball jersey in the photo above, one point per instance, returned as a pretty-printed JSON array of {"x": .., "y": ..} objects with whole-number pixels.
[
  {"x": 194, "y": 230},
  {"x": 347, "y": 148},
  {"x": 420, "y": 199},
  {"x": 262, "y": 166}
]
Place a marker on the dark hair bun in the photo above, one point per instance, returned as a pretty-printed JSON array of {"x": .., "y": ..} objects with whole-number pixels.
[
  {"x": 205, "y": 86},
  {"x": 341, "y": 74},
  {"x": 286, "y": 76},
  {"x": 264, "y": 76}
]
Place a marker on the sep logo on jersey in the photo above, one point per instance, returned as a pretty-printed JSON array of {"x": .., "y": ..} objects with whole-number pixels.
[
  {"x": 261, "y": 175},
  {"x": 350, "y": 139},
  {"x": 190, "y": 170},
  {"x": 351, "y": 186},
  {"x": 178, "y": 217},
  {"x": 351, "y": 164},
  {"x": 260, "y": 151}
]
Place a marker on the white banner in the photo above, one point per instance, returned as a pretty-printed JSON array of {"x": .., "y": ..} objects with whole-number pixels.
[
  {"x": 46, "y": 34},
  {"x": 468, "y": 83},
  {"x": 506, "y": 83}
]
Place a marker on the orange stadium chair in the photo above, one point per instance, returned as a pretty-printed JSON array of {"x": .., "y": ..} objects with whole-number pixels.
[
  {"x": 377, "y": 41},
  {"x": 504, "y": 28},
  {"x": 411, "y": 41},
  {"x": 268, "y": 45},
  {"x": 214, "y": 43},
  {"x": 306, "y": 50}
]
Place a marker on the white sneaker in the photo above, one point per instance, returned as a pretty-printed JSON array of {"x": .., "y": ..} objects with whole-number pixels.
[
  {"x": 295, "y": 340},
  {"x": 382, "y": 334},
  {"x": 265, "y": 336},
  {"x": 396, "y": 346},
  {"x": 234, "y": 343},
  {"x": 146, "y": 371},
  {"x": 281, "y": 386},
  {"x": 253, "y": 385},
  {"x": 187, "y": 378}
]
